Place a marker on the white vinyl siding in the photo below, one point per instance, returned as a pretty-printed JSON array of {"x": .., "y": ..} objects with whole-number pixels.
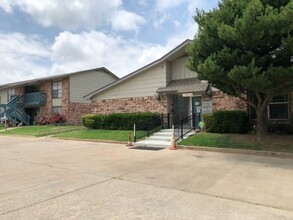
[
  {"x": 57, "y": 102},
  {"x": 3, "y": 95},
  {"x": 180, "y": 71},
  {"x": 84, "y": 83},
  {"x": 144, "y": 84},
  {"x": 168, "y": 72}
]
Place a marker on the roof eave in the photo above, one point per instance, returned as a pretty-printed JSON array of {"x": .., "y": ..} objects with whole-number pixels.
[
  {"x": 136, "y": 72},
  {"x": 38, "y": 80}
]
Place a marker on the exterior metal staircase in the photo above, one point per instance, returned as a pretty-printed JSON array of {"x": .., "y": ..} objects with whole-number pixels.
[{"x": 14, "y": 111}]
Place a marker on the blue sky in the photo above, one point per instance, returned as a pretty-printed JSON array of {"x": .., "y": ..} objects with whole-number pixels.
[{"x": 49, "y": 37}]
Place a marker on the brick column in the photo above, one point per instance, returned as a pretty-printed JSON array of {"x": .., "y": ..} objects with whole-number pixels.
[
  {"x": 46, "y": 110},
  {"x": 65, "y": 97}
]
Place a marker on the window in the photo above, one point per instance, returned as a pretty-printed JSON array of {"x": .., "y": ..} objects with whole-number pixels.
[
  {"x": 57, "y": 110},
  {"x": 277, "y": 109},
  {"x": 57, "y": 89},
  {"x": 11, "y": 94}
]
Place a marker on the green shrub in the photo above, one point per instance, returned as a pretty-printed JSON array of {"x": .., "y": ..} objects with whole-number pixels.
[
  {"x": 227, "y": 122},
  {"x": 122, "y": 121},
  {"x": 208, "y": 120}
]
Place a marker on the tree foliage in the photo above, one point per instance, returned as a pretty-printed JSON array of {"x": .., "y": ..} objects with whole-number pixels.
[{"x": 245, "y": 49}]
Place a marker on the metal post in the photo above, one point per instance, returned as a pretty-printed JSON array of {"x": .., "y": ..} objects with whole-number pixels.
[
  {"x": 168, "y": 115},
  {"x": 134, "y": 133},
  {"x": 193, "y": 121},
  {"x": 5, "y": 123},
  {"x": 162, "y": 120},
  {"x": 181, "y": 129}
]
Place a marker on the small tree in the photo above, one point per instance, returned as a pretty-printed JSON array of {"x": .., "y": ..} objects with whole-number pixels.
[{"x": 245, "y": 49}]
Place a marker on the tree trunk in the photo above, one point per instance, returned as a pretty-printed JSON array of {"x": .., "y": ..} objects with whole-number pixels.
[{"x": 262, "y": 123}]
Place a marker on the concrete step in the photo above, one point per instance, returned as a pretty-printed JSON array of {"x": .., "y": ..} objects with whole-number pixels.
[
  {"x": 166, "y": 130},
  {"x": 163, "y": 134},
  {"x": 152, "y": 143},
  {"x": 159, "y": 138}
]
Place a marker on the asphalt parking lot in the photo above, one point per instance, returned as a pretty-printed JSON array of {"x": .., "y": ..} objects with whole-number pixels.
[{"x": 55, "y": 179}]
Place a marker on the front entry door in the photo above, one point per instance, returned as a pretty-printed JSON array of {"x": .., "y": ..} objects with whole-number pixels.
[
  {"x": 180, "y": 108},
  {"x": 196, "y": 109}
]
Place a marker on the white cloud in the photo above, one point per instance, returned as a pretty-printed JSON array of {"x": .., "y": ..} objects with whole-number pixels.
[
  {"x": 126, "y": 21},
  {"x": 203, "y": 5},
  {"x": 98, "y": 49},
  {"x": 71, "y": 15},
  {"x": 28, "y": 57},
  {"x": 167, "y": 4},
  {"x": 158, "y": 22},
  {"x": 21, "y": 57},
  {"x": 6, "y": 5}
]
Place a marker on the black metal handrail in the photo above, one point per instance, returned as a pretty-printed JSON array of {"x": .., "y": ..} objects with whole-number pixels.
[
  {"x": 149, "y": 128},
  {"x": 184, "y": 126},
  {"x": 146, "y": 128}
]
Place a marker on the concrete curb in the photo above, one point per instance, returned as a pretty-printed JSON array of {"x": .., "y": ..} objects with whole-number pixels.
[
  {"x": 90, "y": 140},
  {"x": 237, "y": 151}
]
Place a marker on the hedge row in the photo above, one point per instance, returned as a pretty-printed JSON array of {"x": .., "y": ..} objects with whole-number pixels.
[
  {"x": 122, "y": 121},
  {"x": 227, "y": 122}
]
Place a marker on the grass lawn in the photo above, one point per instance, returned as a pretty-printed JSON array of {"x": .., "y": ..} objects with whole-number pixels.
[
  {"x": 113, "y": 135},
  {"x": 278, "y": 143},
  {"x": 27, "y": 130},
  {"x": 38, "y": 130}
]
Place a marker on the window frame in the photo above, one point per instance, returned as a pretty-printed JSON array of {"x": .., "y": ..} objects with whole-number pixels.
[
  {"x": 280, "y": 103},
  {"x": 57, "y": 89},
  {"x": 10, "y": 92},
  {"x": 57, "y": 112},
  {"x": 287, "y": 102}
]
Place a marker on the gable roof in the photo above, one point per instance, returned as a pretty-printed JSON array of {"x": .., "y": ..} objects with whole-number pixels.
[
  {"x": 184, "y": 86},
  {"x": 38, "y": 80},
  {"x": 173, "y": 54}
]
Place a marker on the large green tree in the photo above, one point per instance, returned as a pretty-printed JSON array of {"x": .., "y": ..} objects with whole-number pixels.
[{"x": 245, "y": 49}]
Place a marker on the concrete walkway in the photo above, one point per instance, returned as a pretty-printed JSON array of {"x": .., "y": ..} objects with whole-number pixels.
[{"x": 53, "y": 179}]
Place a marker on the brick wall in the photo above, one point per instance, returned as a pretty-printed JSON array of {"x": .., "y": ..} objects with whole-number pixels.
[
  {"x": 222, "y": 102},
  {"x": 65, "y": 97},
  {"x": 46, "y": 110},
  {"x": 19, "y": 91},
  {"x": 77, "y": 110},
  {"x": 140, "y": 104}
]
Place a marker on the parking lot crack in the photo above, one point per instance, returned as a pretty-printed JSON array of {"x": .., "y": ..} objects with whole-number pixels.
[{"x": 55, "y": 197}]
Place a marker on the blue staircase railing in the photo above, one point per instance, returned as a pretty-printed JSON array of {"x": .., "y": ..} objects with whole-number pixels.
[
  {"x": 14, "y": 111},
  {"x": 34, "y": 99}
]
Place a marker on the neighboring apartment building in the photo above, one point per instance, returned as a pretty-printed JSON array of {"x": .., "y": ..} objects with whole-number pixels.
[
  {"x": 60, "y": 94},
  {"x": 167, "y": 86}
]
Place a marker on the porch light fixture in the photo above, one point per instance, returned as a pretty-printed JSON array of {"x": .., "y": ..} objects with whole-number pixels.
[
  {"x": 157, "y": 97},
  {"x": 209, "y": 91}
]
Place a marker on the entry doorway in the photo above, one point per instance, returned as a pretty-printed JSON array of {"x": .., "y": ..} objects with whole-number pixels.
[
  {"x": 32, "y": 112},
  {"x": 197, "y": 109},
  {"x": 179, "y": 108}
]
